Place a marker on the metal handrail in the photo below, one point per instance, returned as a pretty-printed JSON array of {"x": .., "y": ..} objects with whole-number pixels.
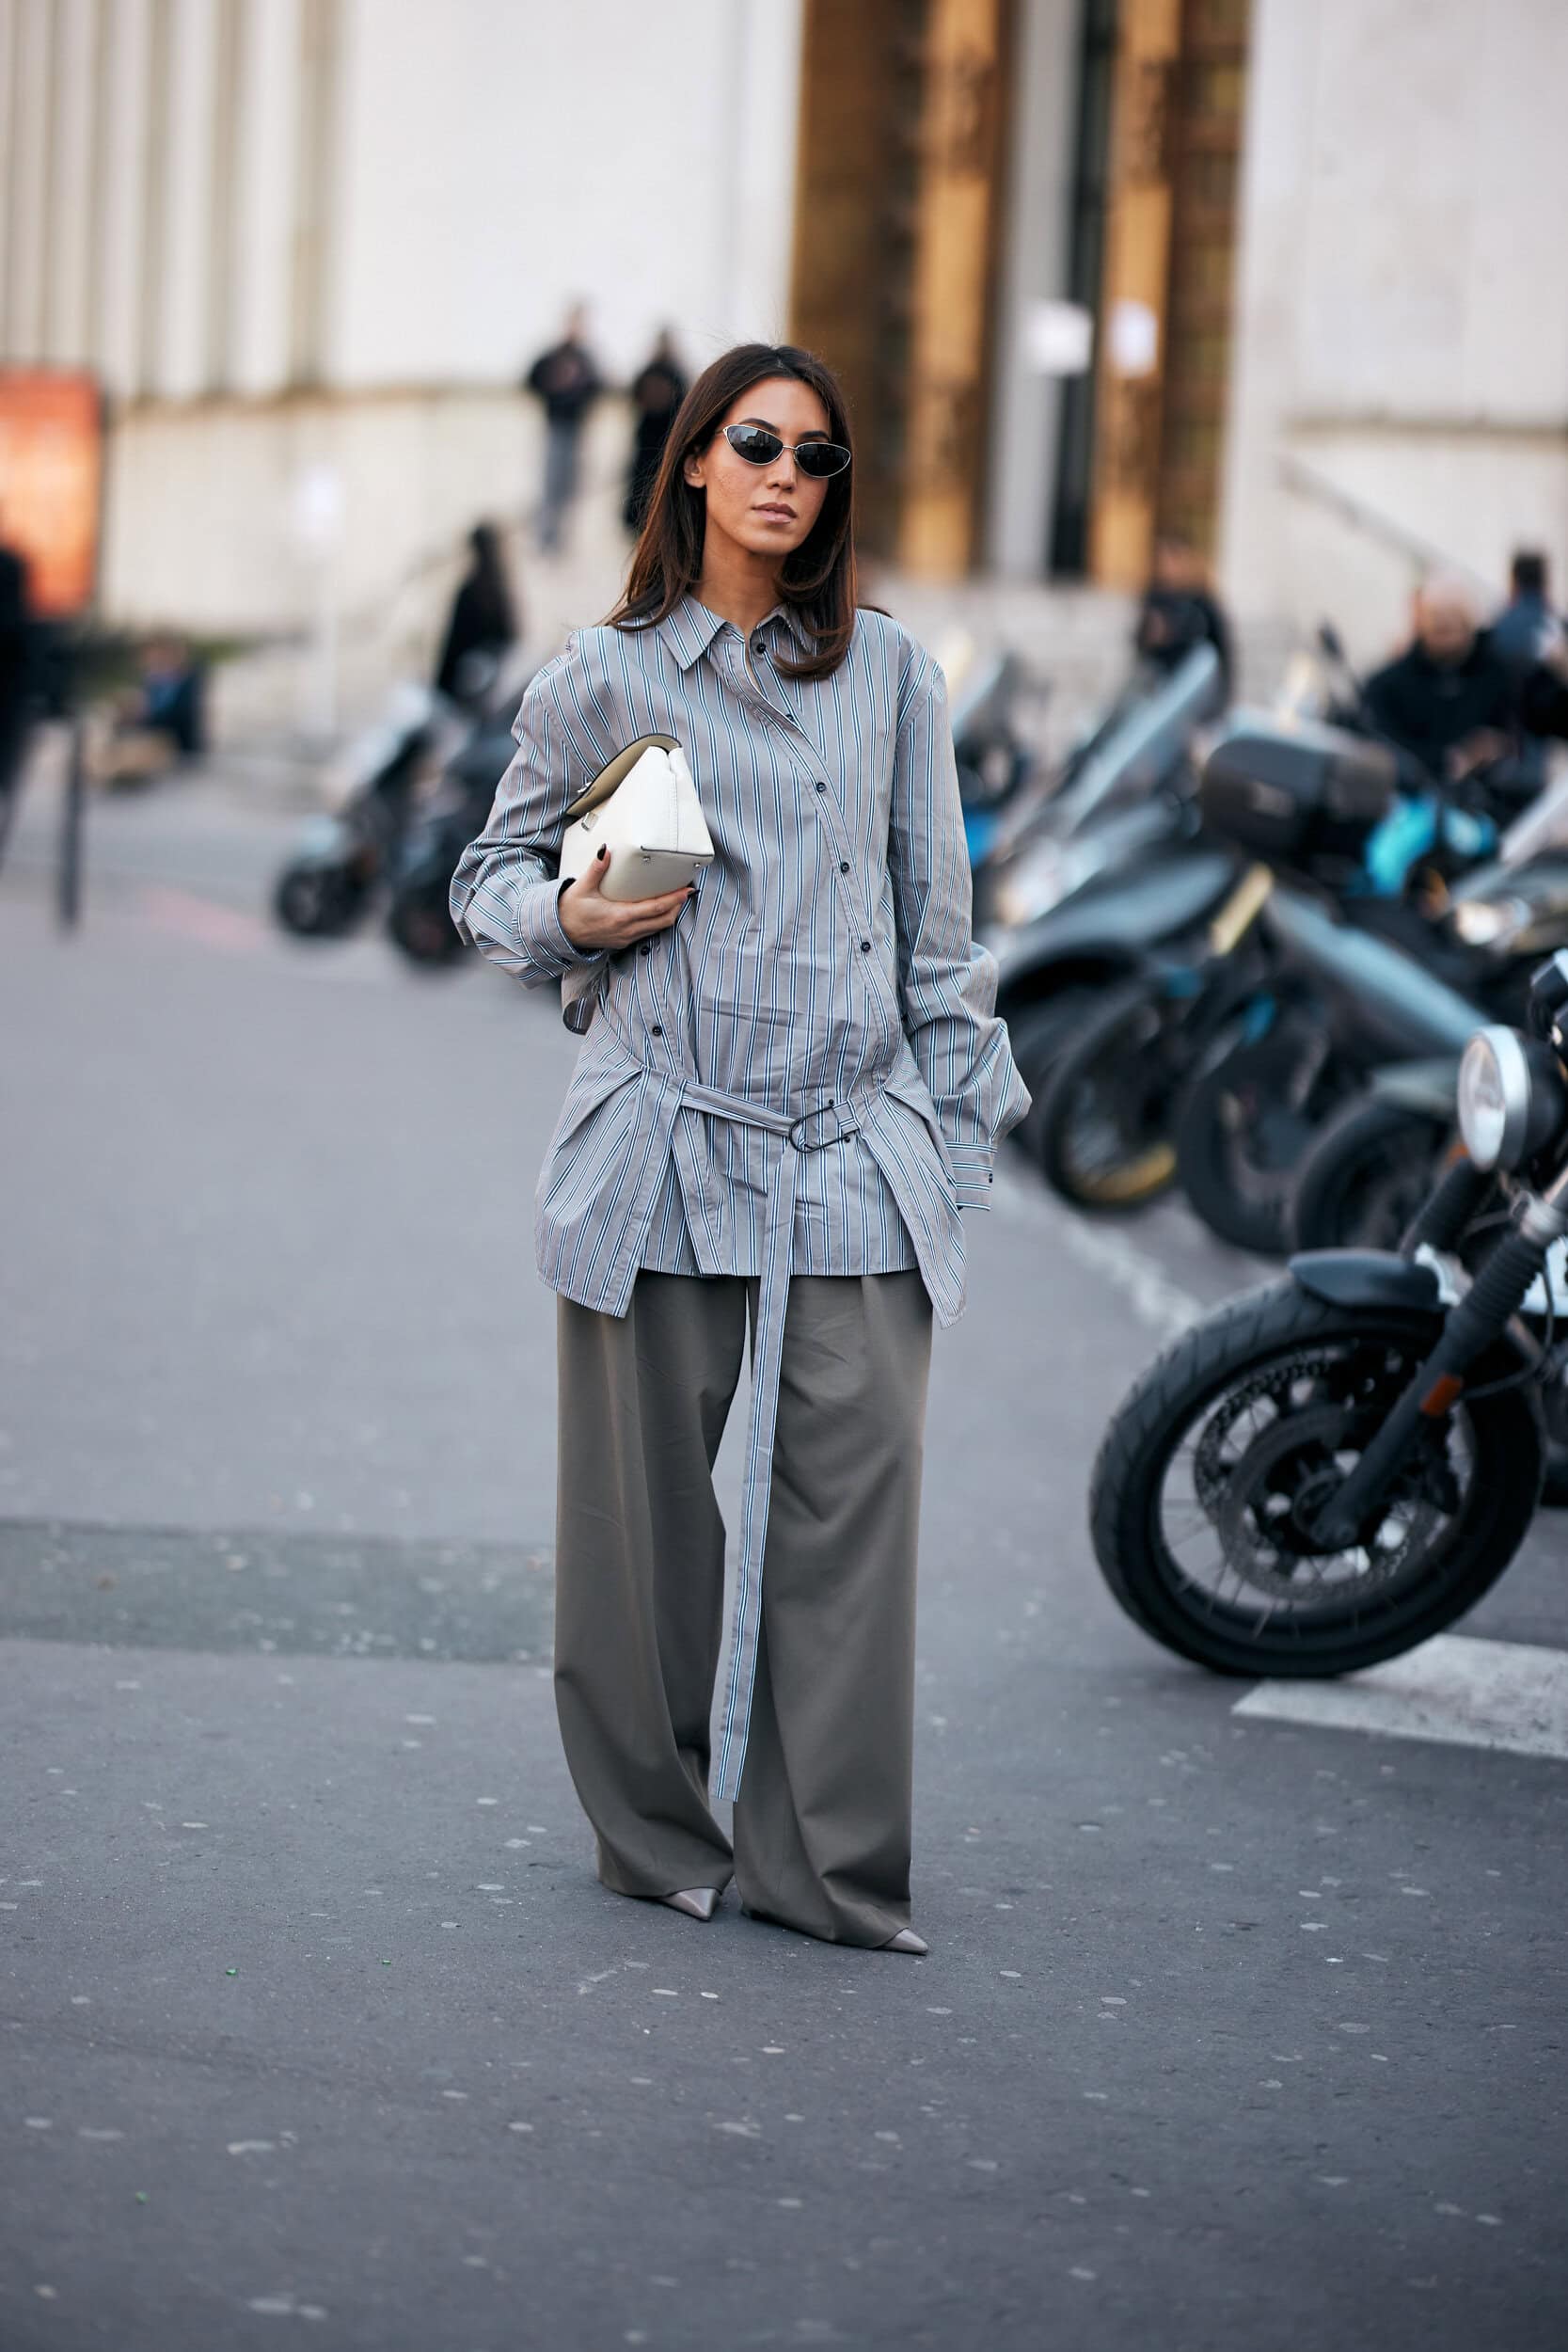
[{"x": 1300, "y": 475}]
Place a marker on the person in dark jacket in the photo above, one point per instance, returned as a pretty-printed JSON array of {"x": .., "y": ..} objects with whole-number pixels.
[
  {"x": 1179, "y": 611},
  {"x": 1449, "y": 698},
  {"x": 1522, "y": 632},
  {"x": 655, "y": 395},
  {"x": 1526, "y": 620},
  {"x": 483, "y": 625},
  {"x": 16, "y": 678},
  {"x": 568, "y": 383}
]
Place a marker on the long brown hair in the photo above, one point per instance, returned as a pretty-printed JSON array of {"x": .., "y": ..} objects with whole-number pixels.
[{"x": 817, "y": 579}]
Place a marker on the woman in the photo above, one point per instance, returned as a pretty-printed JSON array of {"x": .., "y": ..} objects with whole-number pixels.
[
  {"x": 483, "y": 625},
  {"x": 656, "y": 393},
  {"x": 791, "y": 1082}
]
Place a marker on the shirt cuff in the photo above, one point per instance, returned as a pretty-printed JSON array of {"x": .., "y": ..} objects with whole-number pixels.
[
  {"x": 539, "y": 929},
  {"x": 971, "y": 1175}
]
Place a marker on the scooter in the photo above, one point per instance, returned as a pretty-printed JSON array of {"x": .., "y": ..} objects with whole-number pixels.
[
  {"x": 419, "y": 921},
  {"x": 1326, "y": 1474},
  {"x": 1365, "y": 1172},
  {"x": 1218, "y": 1069},
  {"x": 1104, "y": 871},
  {"x": 325, "y": 888}
]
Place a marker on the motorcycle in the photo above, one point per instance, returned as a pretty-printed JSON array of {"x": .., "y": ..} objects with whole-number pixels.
[
  {"x": 1219, "y": 1070},
  {"x": 418, "y": 920},
  {"x": 1327, "y": 1473},
  {"x": 1106, "y": 871},
  {"x": 326, "y": 887},
  {"x": 1365, "y": 1172},
  {"x": 997, "y": 770}
]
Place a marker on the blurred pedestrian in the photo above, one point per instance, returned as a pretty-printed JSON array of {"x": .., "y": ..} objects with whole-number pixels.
[
  {"x": 790, "y": 1084},
  {"x": 656, "y": 393},
  {"x": 567, "y": 381},
  {"x": 16, "y": 680},
  {"x": 1526, "y": 623},
  {"x": 481, "y": 627},
  {"x": 1522, "y": 633},
  {"x": 160, "y": 723},
  {"x": 1448, "y": 699},
  {"x": 1179, "y": 611}
]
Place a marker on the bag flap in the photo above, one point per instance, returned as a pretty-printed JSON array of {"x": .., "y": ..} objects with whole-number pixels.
[{"x": 619, "y": 768}]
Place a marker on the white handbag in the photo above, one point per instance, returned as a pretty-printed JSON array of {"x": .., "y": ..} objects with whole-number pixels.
[{"x": 644, "y": 808}]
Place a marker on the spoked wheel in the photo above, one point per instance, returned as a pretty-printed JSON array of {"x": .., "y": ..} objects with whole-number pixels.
[
  {"x": 1244, "y": 1128},
  {"x": 1214, "y": 1472},
  {"x": 1037, "y": 1034},
  {"x": 318, "y": 901},
  {"x": 420, "y": 924},
  {"x": 1363, "y": 1178},
  {"x": 1103, "y": 1121}
]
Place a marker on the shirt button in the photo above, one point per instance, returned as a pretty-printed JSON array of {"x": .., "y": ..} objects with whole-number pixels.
[
  {"x": 822, "y": 787},
  {"x": 655, "y": 1031},
  {"x": 844, "y": 865},
  {"x": 647, "y": 947},
  {"x": 865, "y": 946}
]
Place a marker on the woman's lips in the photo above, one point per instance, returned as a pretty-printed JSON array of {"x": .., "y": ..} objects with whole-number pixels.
[{"x": 779, "y": 514}]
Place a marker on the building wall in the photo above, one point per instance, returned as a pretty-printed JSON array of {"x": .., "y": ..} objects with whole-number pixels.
[
  {"x": 1400, "y": 337},
  {"x": 291, "y": 233}
]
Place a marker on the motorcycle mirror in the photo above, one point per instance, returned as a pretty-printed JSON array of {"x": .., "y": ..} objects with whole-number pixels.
[{"x": 1548, "y": 995}]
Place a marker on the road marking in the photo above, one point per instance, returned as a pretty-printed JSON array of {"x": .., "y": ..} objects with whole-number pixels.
[
  {"x": 1509, "y": 1695},
  {"x": 1160, "y": 1305}
]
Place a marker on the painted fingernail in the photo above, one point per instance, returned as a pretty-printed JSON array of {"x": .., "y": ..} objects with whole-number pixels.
[{"x": 604, "y": 851}]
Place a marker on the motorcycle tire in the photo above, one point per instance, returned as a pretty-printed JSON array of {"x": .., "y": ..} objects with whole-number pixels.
[
  {"x": 318, "y": 901},
  {"x": 419, "y": 923},
  {"x": 1364, "y": 1176},
  {"x": 1283, "y": 1325},
  {"x": 1239, "y": 1143},
  {"x": 1103, "y": 1131},
  {"x": 1037, "y": 1034}
]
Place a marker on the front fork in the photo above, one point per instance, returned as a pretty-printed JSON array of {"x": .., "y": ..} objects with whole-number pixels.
[{"x": 1481, "y": 1317}]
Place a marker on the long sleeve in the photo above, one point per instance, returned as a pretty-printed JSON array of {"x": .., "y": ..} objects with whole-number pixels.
[
  {"x": 947, "y": 983},
  {"x": 505, "y": 890}
]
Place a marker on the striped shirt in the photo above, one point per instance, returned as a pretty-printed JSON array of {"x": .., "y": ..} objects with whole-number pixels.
[{"x": 826, "y": 956}]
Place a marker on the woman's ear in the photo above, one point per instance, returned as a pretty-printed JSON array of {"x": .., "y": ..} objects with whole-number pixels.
[{"x": 691, "y": 471}]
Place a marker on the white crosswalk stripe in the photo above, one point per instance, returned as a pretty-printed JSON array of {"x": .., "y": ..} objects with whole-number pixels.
[{"x": 1509, "y": 1696}]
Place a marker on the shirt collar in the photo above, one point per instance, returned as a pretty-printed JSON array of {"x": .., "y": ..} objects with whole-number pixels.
[{"x": 690, "y": 629}]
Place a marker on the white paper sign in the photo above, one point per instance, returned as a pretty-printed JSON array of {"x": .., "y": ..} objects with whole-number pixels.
[
  {"x": 1133, "y": 331},
  {"x": 1058, "y": 338}
]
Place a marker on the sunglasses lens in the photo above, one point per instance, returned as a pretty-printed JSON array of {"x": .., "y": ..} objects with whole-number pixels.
[
  {"x": 820, "y": 459},
  {"x": 752, "y": 442}
]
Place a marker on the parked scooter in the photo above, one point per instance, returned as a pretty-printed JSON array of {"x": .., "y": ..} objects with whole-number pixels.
[
  {"x": 325, "y": 888},
  {"x": 418, "y": 919},
  {"x": 1106, "y": 870},
  {"x": 1220, "y": 1070},
  {"x": 1326, "y": 1474},
  {"x": 1367, "y": 1171}
]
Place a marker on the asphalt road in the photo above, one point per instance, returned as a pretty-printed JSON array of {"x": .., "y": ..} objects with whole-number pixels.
[{"x": 1233, "y": 2034}]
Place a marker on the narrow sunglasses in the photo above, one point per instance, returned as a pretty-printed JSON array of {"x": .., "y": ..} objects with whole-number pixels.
[{"x": 818, "y": 460}]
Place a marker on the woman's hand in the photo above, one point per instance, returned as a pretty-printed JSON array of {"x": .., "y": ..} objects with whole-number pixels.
[{"x": 599, "y": 926}]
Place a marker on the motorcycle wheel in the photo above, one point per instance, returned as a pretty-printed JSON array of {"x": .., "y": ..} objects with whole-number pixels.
[
  {"x": 1363, "y": 1177},
  {"x": 1240, "y": 1140},
  {"x": 1247, "y": 1419},
  {"x": 1103, "y": 1131},
  {"x": 1037, "y": 1034},
  {"x": 420, "y": 924},
  {"x": 318, "y": 901}
]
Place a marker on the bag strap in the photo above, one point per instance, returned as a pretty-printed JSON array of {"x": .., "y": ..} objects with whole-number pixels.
[{"x": 610, "y": 778}]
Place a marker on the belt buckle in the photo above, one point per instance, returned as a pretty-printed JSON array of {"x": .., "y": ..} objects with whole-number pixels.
[{"x": 841, "y": 1134}]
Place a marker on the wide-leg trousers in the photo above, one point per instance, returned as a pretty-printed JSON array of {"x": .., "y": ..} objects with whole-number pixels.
[{"x": 821, "y": 1830}]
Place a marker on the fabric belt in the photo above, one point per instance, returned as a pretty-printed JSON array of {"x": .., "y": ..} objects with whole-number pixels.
[{"x": 813, "y": 1131}]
